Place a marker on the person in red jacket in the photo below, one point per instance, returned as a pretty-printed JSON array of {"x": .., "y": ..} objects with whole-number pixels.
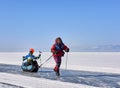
[{"x": 58, "y": 51}]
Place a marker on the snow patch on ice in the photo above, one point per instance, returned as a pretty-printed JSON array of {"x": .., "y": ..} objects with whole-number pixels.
[
  {"x": 7, "y": 85},
  {"x": 31, "y": 82}
]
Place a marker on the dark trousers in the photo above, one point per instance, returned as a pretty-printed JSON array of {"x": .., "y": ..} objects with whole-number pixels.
[{"x": 58, "y": 62}]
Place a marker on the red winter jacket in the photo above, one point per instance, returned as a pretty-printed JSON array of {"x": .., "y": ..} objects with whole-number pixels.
[{"x": 58, "y": 49}]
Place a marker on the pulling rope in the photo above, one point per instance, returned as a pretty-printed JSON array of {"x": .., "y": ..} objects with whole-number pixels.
[{"x": 45, "y": 61}]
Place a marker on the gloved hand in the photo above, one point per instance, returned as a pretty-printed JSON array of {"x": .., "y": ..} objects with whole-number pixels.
[
  {"x": 24, "y": 58},
  {"x": 55, "y": 52},
  {"x": 39, "y": 55},
  {"x": 67, "y": 50}
]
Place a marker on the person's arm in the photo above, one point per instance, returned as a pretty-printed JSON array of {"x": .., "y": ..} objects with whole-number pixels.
[
  {"x": 37, "y": 56},
  {"x": 53, "y": 50},
  {"x": 66, "y": 48},
  {"x": 25, "y": 57}
]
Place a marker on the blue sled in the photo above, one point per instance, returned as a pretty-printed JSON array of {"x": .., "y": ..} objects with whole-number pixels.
[{"x": 28, "y": 67}]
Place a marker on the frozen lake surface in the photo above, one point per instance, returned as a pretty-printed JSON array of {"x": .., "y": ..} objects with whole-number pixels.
[{"x": 85, "y": 70}]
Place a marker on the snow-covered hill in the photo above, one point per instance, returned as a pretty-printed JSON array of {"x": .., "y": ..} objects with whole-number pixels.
[{"x": 85, "y": 70}]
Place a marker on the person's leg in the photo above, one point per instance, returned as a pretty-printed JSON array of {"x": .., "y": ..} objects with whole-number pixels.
[
  {"x": 57, "y": 61},
  {"x": 58, "y": 64}
]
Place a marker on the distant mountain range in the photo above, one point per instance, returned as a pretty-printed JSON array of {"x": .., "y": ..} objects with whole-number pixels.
[
  {"x": 104, "y": 48},
  {"x": 100, "y": 48}
]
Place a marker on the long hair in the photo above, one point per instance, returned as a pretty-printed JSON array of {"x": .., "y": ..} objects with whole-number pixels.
[{"x": 59, "y": 39}]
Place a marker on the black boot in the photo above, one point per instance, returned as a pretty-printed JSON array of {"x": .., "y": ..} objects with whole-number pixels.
[{"x": 58, "y": 73}]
